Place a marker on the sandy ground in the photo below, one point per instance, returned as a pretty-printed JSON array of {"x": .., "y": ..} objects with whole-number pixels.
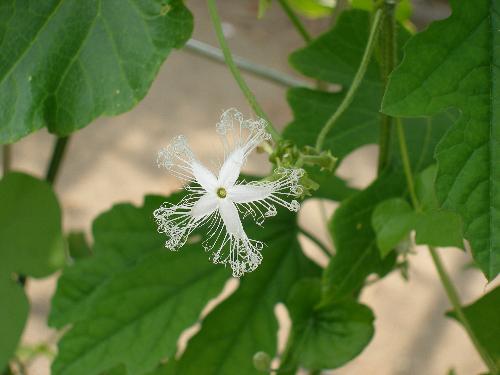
[{"x": 113, "y": 160}]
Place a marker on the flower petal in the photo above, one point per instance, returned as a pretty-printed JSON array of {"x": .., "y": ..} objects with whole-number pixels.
[
  {"x": 231, "y": 218},
  {"x": 204, "y": 206},
  {"x": 249, "y": 193},
  {"x": 203, "y": 176},
  {"x": 230, "y": 170}
]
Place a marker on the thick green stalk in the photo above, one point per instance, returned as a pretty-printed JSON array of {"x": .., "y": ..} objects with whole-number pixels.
[
  {"x": 358, "y": 78},
  {"x": 6, "y": 158},
  {"x": 214, "y": 15},
  {"x": 388, "y": 60},
  {"x": 316, "y": 241},
  {"x": 449, "y": 288},
  {"x": 56, "y": 159},
  {"x": 215, "y": 54},
  {"x": 295, "y": 21}
]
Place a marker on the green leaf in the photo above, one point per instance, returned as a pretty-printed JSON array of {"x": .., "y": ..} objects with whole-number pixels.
[
  {"x": 31, "y": 241},
  {"x": 245, "y": 323},
  {"x": 392, "y": 221},
  {"x": 78, "y": 60},
  {"x": 439, "y": 228},
  {"x": 112, "y": 254},
  {"x": 484, "y": 320},
  {"x": 13, "y": 315},
  {"x": 134, "y": 315},
  {"x": 325, "y": 336},
  {"x": 459, "y": 69},
  {"x": 31, "y": 244},
  {"x": 77, "y": 245},
  {"x": 330, "y": 186}
]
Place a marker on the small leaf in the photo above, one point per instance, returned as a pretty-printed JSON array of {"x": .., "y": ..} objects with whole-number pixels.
[
  {"x": 484, "y": 320},
  {"x": 392, "y": 220},
  {"x": 459, "y": 69},
  {"x": 78, "y": 60},
  {"x": 31, "y": 244},
  {"x": 326, "y": 336}
]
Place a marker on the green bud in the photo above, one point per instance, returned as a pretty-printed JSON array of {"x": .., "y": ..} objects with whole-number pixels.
[{"x": 262, "y": 361}]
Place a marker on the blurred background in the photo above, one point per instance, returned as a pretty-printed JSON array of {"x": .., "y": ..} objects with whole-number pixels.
[{"x": 113, "y": 160}]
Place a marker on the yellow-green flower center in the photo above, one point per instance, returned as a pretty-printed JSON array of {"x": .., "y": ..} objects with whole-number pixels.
[{"x": 221, "y": 192}]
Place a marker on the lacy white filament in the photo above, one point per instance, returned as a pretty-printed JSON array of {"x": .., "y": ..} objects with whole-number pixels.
[{"x": 216, "y": 202}]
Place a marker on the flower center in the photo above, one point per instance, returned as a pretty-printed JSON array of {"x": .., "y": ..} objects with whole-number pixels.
[{"x": 221, "y": 192}]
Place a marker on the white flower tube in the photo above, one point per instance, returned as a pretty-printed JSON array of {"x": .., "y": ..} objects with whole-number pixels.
[{"x": 216, "y": 202}]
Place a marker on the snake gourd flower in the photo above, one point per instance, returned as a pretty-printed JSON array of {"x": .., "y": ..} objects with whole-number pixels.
[{"x": 216, "y": 202}]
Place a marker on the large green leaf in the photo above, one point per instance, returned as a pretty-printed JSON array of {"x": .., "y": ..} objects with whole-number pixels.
[
  {"x": 64, "y": 63},
  {"x": 123, "y": 236},
  {"x": 245, "y": 323},
  {"x": 132, "y": 308},
  {"x": 455, "y": 63},
  {"x": 31, "y": 244},
  {"x": 325, "y": 336},
  {"x": 484, "y": 319}
]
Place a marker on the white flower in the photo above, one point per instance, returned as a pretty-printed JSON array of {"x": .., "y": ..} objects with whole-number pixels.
[{"x": 217, "y": 201}]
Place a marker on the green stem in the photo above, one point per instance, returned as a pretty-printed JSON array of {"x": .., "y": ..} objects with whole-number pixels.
[
  {"x": 56, "y": 159},
  {"x": 6, "y": 158},
  {"x": 214, "y": 15},
  {"x": 450, "y": 289},
  {"x": 388, "y": 61},
  {"x": 317, "y": 242},
  {"x": 358, "y": 78},
  {"x": 215, "y": 54},
  {"x": 406, "y": 164},
  {"x": 295, "y": 21}
]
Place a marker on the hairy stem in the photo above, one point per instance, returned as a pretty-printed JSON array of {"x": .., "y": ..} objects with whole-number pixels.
[
  {"x": 358, "y": 78},
  {"x": 56, "y": 159},
  {"x": 316, "y": 241},
  {"x": 260, "y": 71},
  {"x": 295, "y": 21},
  {"x": 388, "y": 60},
  {"x": 445, "y": 279},
  {"x": 6, "y": 158},
  {"x": 214, "y": 15}
]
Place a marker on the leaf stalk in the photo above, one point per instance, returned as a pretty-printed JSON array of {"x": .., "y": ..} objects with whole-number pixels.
[{"x": 56, "y": 159}]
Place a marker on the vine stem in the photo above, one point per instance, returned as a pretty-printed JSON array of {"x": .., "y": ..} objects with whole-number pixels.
[
  {"x": 388, "y": 61},
  {"x": 6, "y": 158},
  {"x": 215, "y": 54},
  {"x": 316, "y": 241},
  {"x": 56, "y": 159},
  {"x": 446, "y": 281},
  {"x": 296, "y": 21},
  {"x": 214, "y": 15},
  {"x": 358, "y": 78}
]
